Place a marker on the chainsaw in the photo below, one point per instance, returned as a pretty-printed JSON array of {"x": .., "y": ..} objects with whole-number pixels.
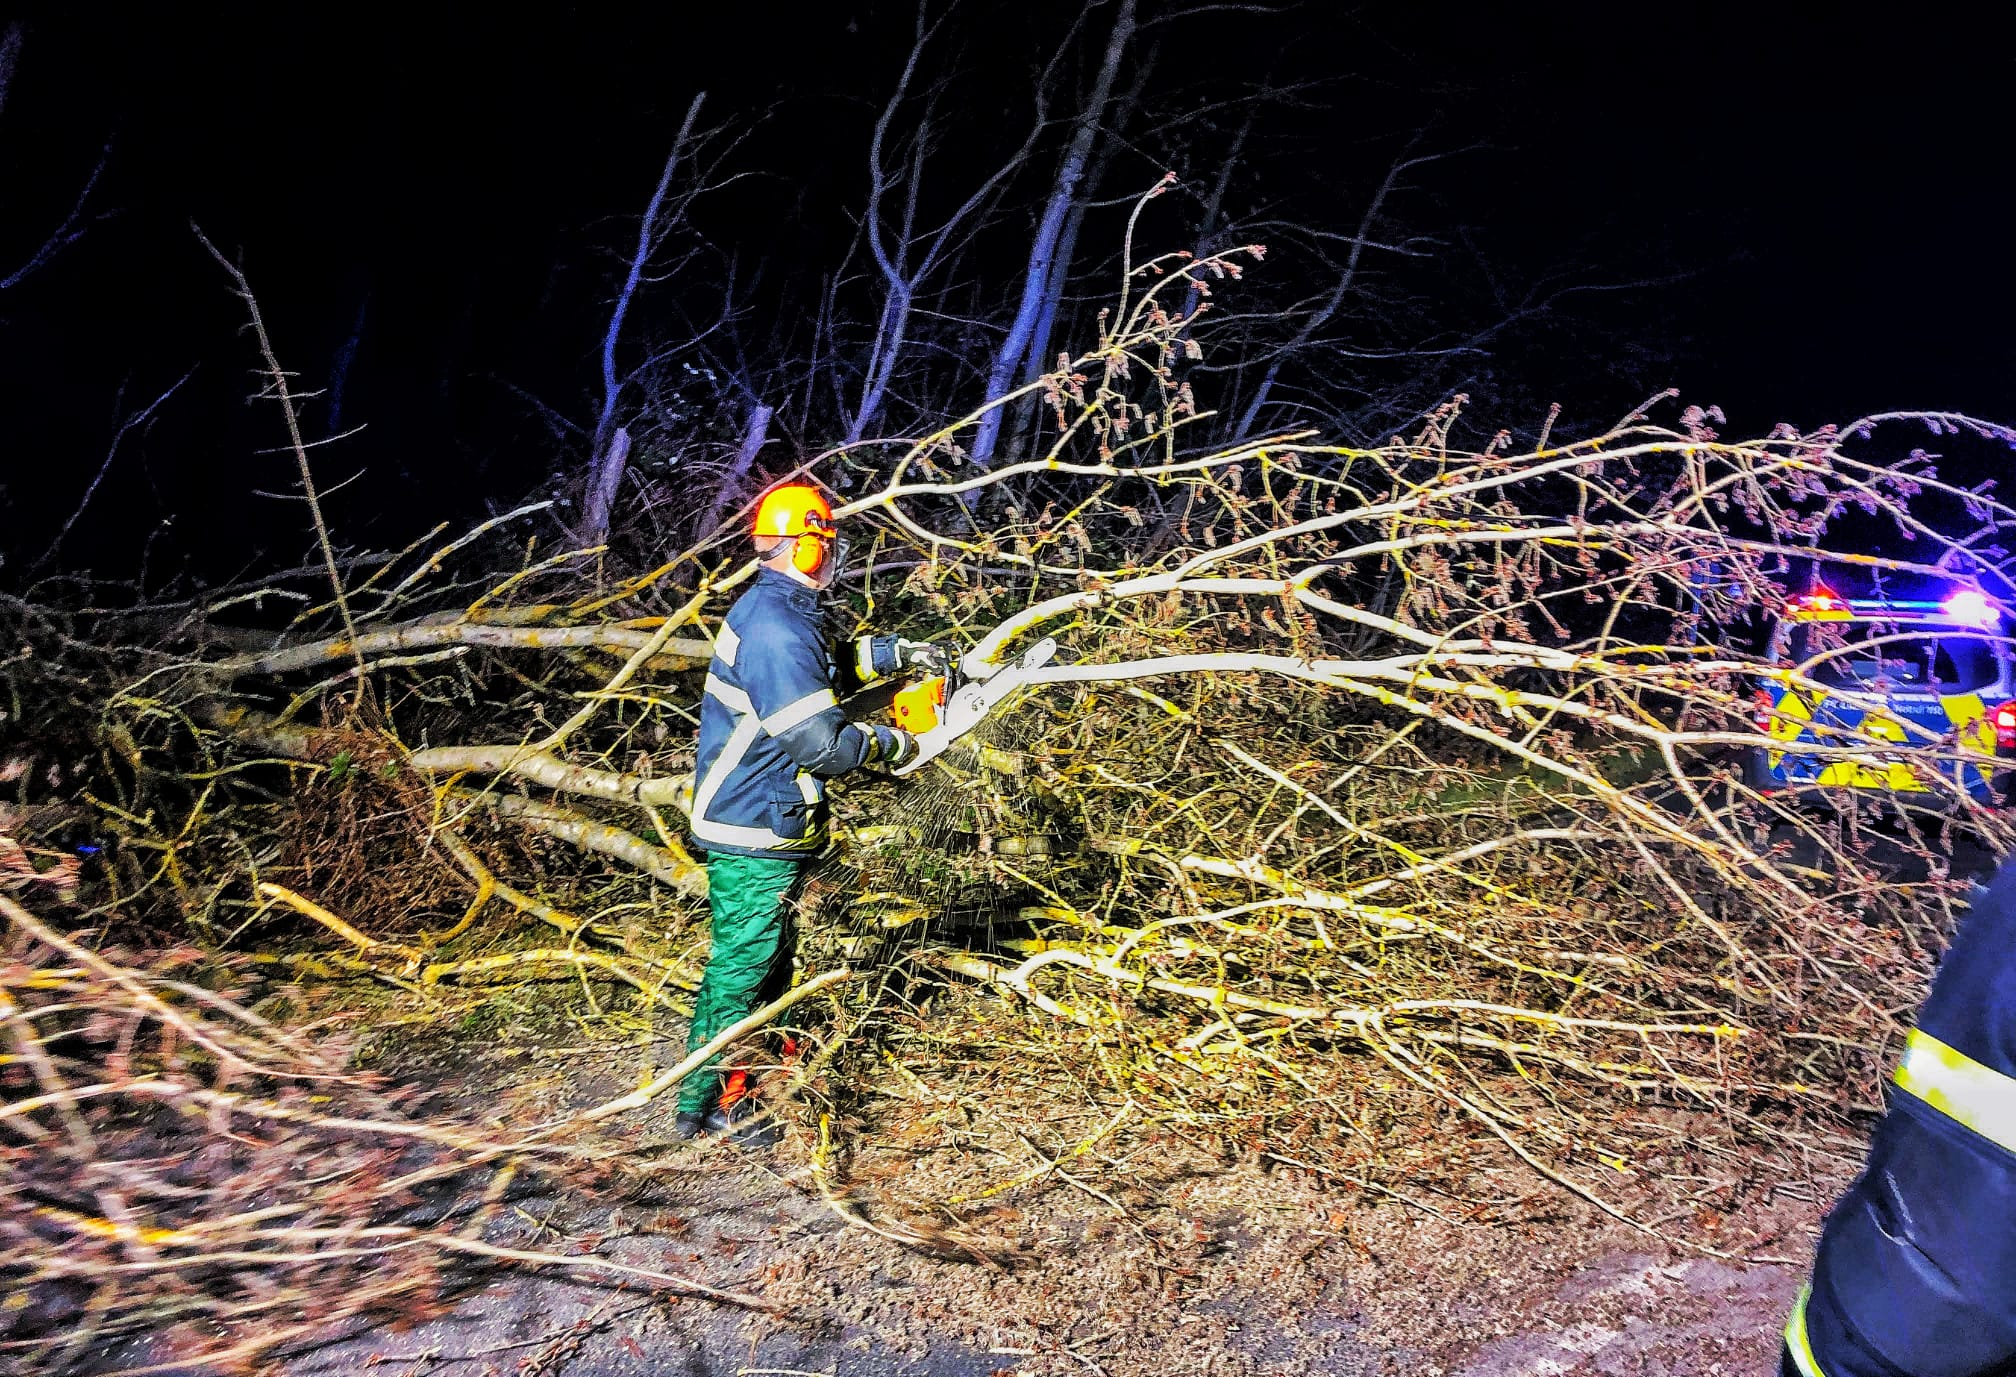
[{"x": 938, "y": 714}]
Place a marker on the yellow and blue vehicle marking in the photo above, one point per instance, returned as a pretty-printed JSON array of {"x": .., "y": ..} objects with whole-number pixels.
[{"x": 1870, "y": 696}]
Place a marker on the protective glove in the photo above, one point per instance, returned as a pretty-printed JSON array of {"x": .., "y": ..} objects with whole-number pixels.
[
  {"x": 893, "y": 745},
  {"x": 925, "y": 655}
]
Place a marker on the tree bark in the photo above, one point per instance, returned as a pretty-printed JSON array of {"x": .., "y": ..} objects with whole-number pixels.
[
  {"x": 754, "y": 438},
  {"x": 603, "y": 481}
]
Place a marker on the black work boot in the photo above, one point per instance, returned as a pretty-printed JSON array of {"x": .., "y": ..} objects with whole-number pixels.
[{"x": 739, "y": 1125}]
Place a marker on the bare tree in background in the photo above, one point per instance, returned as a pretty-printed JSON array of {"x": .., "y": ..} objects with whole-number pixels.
[
  {"x": 910, "y": 259},
  {"x": 610, "y": 452},
  {"x": 1319, "y": 316},
  {"x": 1373, "y": 324},
  {"x": 1050, "y": 249}
]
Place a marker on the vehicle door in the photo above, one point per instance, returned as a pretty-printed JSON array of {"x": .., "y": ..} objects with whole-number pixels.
[
  {"x": 1863, "y": 688},
  {"x": 1970, "y": 675}
]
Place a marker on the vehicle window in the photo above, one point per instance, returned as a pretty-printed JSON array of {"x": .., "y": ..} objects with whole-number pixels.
[
  {"x": 1964, "y": 663},
  {"x": 1948, "y": 663}
]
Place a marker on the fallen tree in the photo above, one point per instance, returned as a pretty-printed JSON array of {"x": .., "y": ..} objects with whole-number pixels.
[{"x": 1384, "y": 809}]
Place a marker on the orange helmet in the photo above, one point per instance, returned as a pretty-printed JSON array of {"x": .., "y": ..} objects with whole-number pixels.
[{"x": 801, "y": 511}]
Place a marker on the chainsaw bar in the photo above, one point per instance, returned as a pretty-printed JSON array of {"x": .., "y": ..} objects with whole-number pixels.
[{"x": 968, "y": 707}]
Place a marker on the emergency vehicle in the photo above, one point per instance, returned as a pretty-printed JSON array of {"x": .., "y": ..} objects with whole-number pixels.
[{"x": 1932, "y": 673}]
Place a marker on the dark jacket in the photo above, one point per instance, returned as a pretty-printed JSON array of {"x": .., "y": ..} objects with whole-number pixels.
[
  {"x": 1916, "y": 1273},
  {"x": 771, "y": 729}
]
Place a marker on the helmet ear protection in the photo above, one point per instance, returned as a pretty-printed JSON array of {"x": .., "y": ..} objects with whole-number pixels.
[
  {"x": 808, "y": 554},
  {"x": 809, "y": 551}
]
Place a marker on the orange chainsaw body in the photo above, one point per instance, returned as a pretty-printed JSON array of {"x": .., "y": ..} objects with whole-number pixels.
[{"x": 916, "y": 707}]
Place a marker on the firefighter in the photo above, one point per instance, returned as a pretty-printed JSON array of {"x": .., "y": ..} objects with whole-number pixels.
[
  {"x": 1916, "y": 1270},
  {"x": 771, "y": 735}
]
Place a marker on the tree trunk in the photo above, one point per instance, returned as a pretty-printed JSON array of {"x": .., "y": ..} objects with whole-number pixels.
[
  {"x": 10, "y": 52},
  {"x": 889, "y": 340},
  {"x": 1042, "y": 275},
  {"x": 1036, "y": 360},
  {"x": 753, "y": 439},
  {"x": 603, "y": 481}
]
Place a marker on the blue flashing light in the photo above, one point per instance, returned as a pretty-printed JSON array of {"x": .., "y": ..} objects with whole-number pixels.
[{"x": 1969, "y": 606}]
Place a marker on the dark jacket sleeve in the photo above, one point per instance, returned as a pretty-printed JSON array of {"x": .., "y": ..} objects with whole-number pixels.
[
  {"x": 863, "y": 660},
  {"x": 1915, "y": 1264},
  {"x": 790, "y": 686}
]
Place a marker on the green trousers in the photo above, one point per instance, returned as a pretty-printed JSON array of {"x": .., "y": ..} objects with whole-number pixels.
[{"x": 746, "y": 897}]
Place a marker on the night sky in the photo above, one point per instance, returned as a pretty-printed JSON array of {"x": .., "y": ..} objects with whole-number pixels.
[{"x": 1794, "y": 216}]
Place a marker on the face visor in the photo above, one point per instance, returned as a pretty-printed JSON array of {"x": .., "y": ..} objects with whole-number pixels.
[{"x": 835, "y": 562}]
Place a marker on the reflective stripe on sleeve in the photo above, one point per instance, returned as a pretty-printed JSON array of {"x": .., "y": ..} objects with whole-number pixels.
[
  {"x": 726, "y": 644},
  {"x": 732, "y": 698},
  {"x": 1959, "y": 1087},
  {"x": 791, "y": 714},
  {"x": 1796, "y": 1342}
]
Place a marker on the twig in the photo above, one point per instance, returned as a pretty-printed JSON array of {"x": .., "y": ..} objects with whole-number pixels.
[{"x": 282, "y": 393}]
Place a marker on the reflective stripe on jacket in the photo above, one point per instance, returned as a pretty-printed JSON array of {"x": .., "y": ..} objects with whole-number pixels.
[
  {"x": 771, "y": 729},
  {"x": 1916, "y": 1272}
]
